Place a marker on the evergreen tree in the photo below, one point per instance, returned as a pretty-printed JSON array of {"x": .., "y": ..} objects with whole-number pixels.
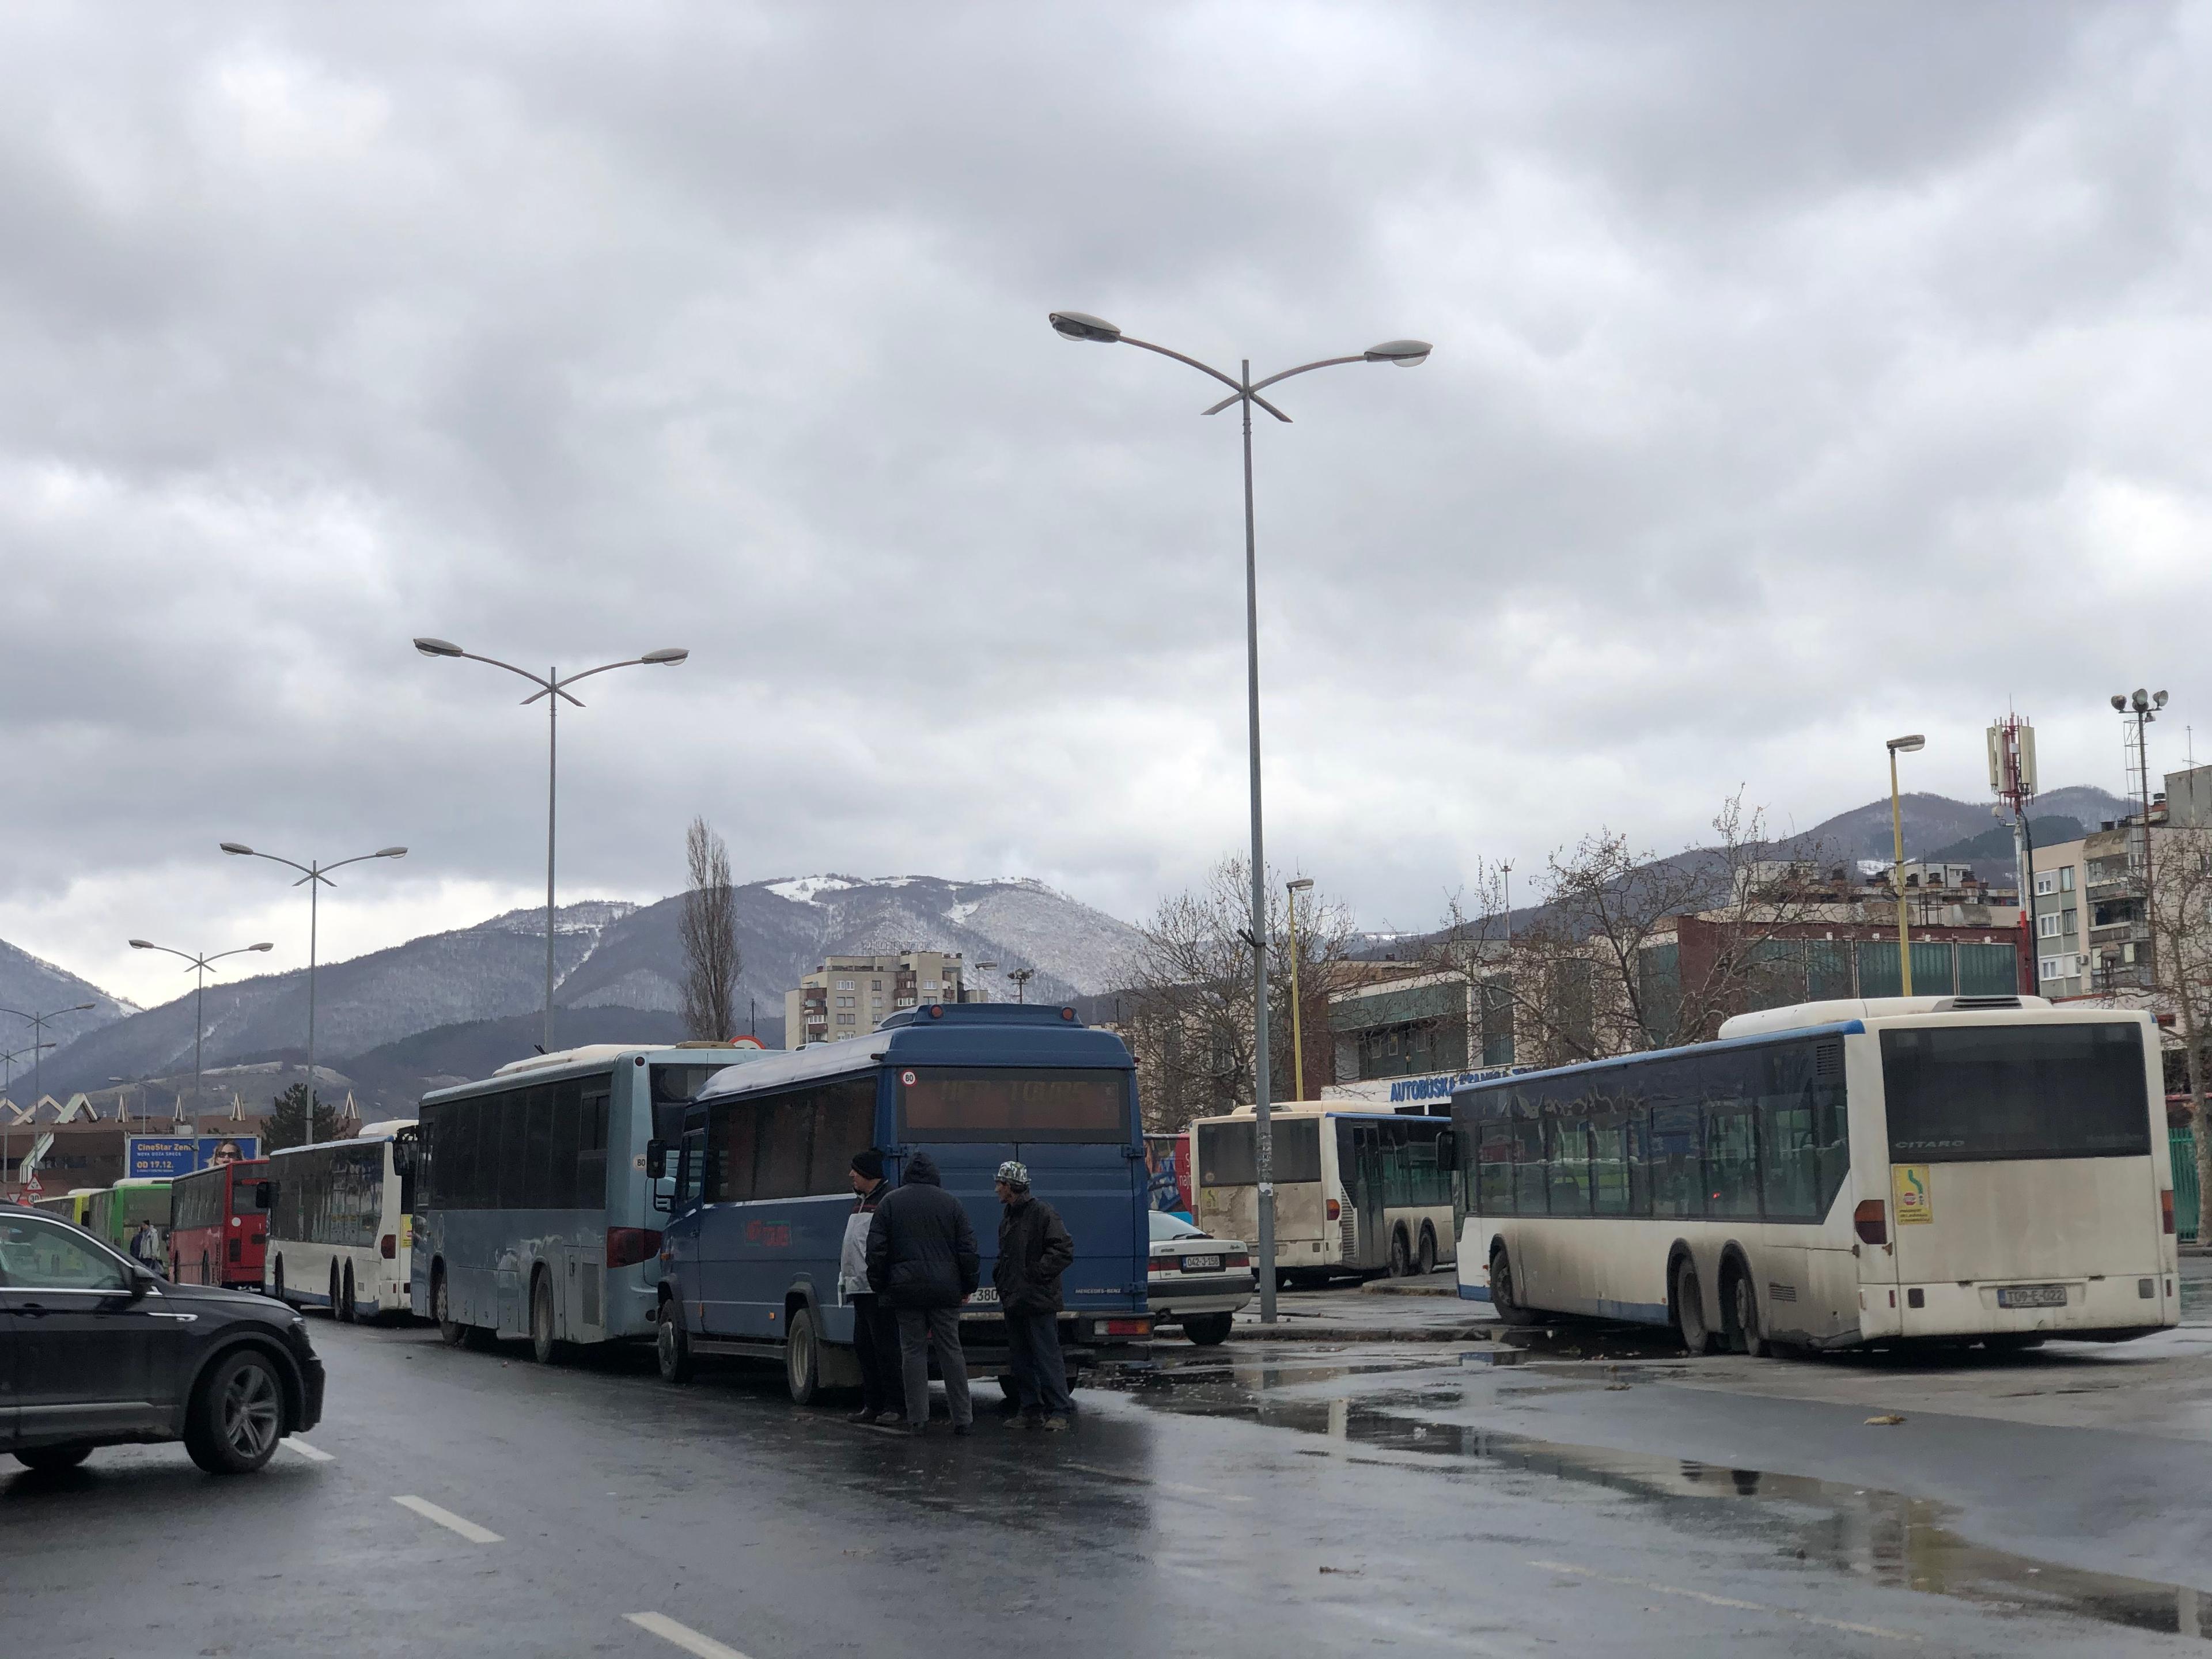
[{"x": 289, "y": 1125}]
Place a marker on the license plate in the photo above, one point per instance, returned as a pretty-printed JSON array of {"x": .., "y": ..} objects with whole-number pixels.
[
  {"x": 984, "y": 1293},
  {"x": 2031, "y": 1296},
  {"x": 1202, "y": 1264}
]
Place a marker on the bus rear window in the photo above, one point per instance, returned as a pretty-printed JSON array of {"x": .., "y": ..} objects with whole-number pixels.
[
  {"x": 989, "y": 1103},
  {"x": 1987, "y": 1093},
  {"x": 1228, "y": 1154}
]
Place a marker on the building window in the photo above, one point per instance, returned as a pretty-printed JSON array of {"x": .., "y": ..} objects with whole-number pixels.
[
  {"x": 878, "y": 985},
  {"x": 2046, "y": 881},
  {"x": 2053, "y": 967},
  {"x": 845, "y": 1002},
  {"x": 2066, "y": 878},
  {"x": 930, "y": 984},
  {"x": 847, "y": 984},
  {"x": 2047, "y": 926},
  {"x": 844, "y": 1019},
  {"x": 2069, "y": 920}
]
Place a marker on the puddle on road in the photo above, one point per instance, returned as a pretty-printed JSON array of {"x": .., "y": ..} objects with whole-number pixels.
[{"x": 1885, "y": 1537}]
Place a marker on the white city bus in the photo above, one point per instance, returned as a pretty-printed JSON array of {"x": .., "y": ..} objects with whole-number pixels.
[
  {"x": 1355, "y": 1192},
  {"x": 1836, "y": 1174},
  {"x": 342, "y": 1222}
]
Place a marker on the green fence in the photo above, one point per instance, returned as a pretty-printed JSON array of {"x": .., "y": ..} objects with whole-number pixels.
[{"x": 2182, "y": 1143}]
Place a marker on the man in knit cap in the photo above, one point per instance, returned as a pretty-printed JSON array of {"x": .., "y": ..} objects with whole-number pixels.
[{"x": 1034, "y": 1251}]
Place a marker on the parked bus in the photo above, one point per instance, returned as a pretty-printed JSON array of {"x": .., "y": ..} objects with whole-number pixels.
[
  {"x": 216, "y": 1229},
  {"x": 72, "y": 1205},
  {"x": 114, "y": 1212},
  {"x": 534, "y": 1215},
  {"x": 1356, "y": 1192},
  {"x": 1837, "y": 1174},
  {"x": 763, "y": 1189},
  {"x": 341, "y": 1223}
]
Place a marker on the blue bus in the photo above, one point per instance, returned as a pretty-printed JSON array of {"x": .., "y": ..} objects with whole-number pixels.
[
  {"x": 536, "y": 1215},
  {"x": 749, "y": 1261}
]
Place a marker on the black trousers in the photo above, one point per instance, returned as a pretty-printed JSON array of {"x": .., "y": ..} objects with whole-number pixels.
[
  {"x": 1033, "y": 1360},
  {"x": 876, "y": 1346}
]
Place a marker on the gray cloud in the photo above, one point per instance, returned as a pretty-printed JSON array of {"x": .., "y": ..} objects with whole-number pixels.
[{"x": 1801, "y": 374}]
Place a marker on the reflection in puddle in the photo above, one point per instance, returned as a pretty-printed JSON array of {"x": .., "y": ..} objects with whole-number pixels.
[{"x": 1886, "y": 1537}]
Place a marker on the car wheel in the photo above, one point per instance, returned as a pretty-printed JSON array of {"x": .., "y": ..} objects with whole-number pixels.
[
  {"x": 802, "y": 1356},
  {"x": 1401, "y": 1258},
  {"x": 48, "y": 1460},
  {"x": 1743, "y": 1315},
  {"x": 1207, "y": 1329},
  {"x": 237, "y": 1416},
  {"x": 543, "y": 1347},
  {"x": 671, "y": 1346},
  {"x": 1690, "y": 1308},
  {"x": 1427, "y": 1261},
  {"x": 451, "y": 1331},
  {"x": 1504, "y": 1300}
]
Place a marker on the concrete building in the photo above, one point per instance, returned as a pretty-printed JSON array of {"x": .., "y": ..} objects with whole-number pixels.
[
  {"x": 2092, "y": 912},
  {"x": 849, "y": 996}
]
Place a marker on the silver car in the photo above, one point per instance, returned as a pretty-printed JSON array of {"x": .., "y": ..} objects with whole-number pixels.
[{"x": 1196, "y": 1280}]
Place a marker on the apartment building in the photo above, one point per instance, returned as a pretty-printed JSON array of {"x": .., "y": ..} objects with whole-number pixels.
[{"x": 849, "y": 996}]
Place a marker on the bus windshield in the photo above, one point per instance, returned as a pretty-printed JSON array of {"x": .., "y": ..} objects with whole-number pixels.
[
  {"x": 1228, "y": 1154},
  {"x": 992, "y": 1103},
  {"x": 1987, "y": 1093}
]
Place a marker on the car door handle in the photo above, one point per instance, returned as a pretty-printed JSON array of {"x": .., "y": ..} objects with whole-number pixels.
[{"x": 31, "y": 1309}]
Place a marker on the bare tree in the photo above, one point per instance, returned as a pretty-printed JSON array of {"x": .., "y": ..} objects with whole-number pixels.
[
  {"x": 709, "y": 928},
  {"x": 1189, "y": 993},
  {"x": 2181, "y": 929}
]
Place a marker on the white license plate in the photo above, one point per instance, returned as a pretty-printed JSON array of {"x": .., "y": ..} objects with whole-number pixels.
[
  {"x": 984, "y": 1293},
  {"x": 2031, "y": 1296},
  {"x": 1202, "y": 1264}
]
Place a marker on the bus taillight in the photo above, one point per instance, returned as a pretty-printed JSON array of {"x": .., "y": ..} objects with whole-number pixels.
[
  {"x": 1872, "y": 1222},
  {"x": 2165, "y": 1208},
  {"x": 1335, "y": 1209},
  {"x": 628, "y": 1246},
  {"x": 388, "y": 1247}
]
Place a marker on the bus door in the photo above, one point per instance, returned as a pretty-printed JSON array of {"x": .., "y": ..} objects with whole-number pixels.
[
  {"x": 1099, "y": 1190},
  {"x": 1367, "y": 1197}
]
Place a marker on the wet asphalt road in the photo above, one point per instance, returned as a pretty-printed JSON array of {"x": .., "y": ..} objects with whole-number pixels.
[{"x": 1267, "y": 1500}]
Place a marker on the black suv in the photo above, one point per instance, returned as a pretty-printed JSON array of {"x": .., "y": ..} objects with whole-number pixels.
[{"x": 95, "y": 1350}]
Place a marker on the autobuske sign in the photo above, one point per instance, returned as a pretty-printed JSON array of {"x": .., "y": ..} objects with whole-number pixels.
[
  {"x": 1435, "y": 1086},
  {"x": 180, "y": 1154}
]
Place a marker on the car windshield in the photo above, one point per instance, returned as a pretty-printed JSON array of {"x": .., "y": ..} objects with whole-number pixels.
[{"x": 1170, "y": 1226}]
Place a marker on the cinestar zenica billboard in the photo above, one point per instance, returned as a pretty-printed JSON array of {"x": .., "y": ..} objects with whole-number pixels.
[{"x": 180, "y": 1154}]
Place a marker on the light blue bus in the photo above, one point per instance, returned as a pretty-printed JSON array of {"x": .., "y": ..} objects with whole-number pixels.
[
  {"x": 536, "y": 1214},
  {"x": 749, "y": 1267}
]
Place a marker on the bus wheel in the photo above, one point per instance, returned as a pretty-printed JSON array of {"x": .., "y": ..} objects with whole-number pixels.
[
  {"x": 543, "y": 1348},
  {"x": 1503, "y": 1301},
  {"x": 1207, "y": 1329},
  {"x": 349, "y": 1310},
  {"x": 1743, "y": 1315},
  {"x": 279, "y": 1285},
  {"x": 207, "y": 1272},
  {"x": 802, "y": 1356},
  {"x": 1427, "y": 1261},
  {"x": 670, "y": 1345},
  {"x": 1690, "y": 1308},
  {"x": 451, "y": 1331},
  {"x": 1402, "y": 1256}
]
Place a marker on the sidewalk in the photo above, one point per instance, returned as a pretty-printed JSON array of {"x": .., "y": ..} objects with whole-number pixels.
[{"x": 1384, "y": 1310}]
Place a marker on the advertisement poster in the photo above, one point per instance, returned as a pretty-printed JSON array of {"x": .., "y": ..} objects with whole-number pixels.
[
  {"x": 181, "y": 1155},
  {"x": 1167, "y": 1169}
]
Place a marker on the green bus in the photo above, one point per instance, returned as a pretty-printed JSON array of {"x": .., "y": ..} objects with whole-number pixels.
[{"x": 114, "y": 1212}]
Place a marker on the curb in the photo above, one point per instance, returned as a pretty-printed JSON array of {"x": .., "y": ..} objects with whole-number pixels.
[{"x": 1361, "y": 1334}]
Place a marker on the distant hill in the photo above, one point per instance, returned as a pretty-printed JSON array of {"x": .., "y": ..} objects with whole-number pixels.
[
  {"x": 35, "y": 985},
  {"x": 1934, "y": 822},
  {"x": 1993, "y": 847}
]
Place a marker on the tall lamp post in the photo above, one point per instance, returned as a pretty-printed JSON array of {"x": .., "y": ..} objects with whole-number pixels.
[
  {"x": 40, "y": 1045},
  {"x": 1901, "y": 746},
  {"x": 1303, "y": 884},
  {"x": 314, "y": 876},
  {"x": 199, "y": 964},
  {"x": 2143, "y": 708},
  {"x": 553, "y": 686},
  {"x": 1245, "y": 391},
  {"x": 7, "y": 1085},
  {"x": 1021, "y": 978}
]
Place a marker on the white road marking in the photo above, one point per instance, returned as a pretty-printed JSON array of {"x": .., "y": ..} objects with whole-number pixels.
[
  {"x": 683, "y": 1635},
  {"x": 468, "y": 1529},
  {"x": 312, "y": 1454},
  {"x": 1724, "y": 1601}
]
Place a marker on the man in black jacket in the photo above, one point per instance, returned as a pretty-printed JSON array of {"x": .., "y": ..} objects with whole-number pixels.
[
  {"x": 1034, "y": 1251},
  {"x": 922, "y": 1261}
]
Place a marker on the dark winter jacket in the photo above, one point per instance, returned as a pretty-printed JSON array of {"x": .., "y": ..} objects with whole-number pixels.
[
  {"x": 922, "y": 1250},
  {"x": 1034, "y": 1251}
]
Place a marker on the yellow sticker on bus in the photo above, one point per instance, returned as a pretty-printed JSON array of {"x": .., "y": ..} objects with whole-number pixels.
[{"x": 1909, "y": 1193}]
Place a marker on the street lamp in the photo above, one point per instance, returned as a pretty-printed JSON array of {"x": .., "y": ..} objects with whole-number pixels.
[
  {"x": 2143, "y": 708},
  {"x": 38, "y": 1044},
  {"x": 1245, "y": 391},
  {"x": 1898, "y": 746},
  {"x": 1021, "y": 978},
  {"x": 200, "y": 963},
  {"x": 553, "y": 687},
  {"x": 314, "y": 877},
  {"x": 1303, "y": 884},
  {"x": 7, "y": 1086}
]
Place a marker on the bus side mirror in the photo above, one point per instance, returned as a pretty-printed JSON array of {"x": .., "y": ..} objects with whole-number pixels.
[
  {"x": 656, "y": 1160},
  {"x": 265, "y": 1195}
]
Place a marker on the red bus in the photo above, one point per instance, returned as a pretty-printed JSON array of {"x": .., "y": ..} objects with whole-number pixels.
[{"x": 217, "y": 1234}]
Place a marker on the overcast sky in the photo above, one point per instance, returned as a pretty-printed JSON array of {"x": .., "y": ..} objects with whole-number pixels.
[{"x": 1801, "y": 377}]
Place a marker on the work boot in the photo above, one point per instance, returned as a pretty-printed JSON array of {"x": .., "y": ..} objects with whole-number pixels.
[
  {"x": 1056, "y": 1425},
  {"x": 866, "y": 1414}
]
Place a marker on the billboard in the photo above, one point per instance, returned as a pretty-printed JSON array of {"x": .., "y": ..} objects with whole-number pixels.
[{"x": 180, "y": 1154}]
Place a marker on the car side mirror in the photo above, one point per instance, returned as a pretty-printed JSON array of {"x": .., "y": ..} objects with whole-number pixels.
[
  {"x": 140, "y": 1282},
  {"x": 656, "y": 1160},
  {"x": 265, "y": 1195}
]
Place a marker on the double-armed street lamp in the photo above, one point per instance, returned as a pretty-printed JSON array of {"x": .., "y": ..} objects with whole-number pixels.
[
  {"x": 38, "y": 1043},
  {"x": 1245, "y": 391},
  {"x": 1292, "y": 888},
  {"x": 1901, "y": 746},
  {"x": 314, "y": 877},
  {"x": 199, "y": 964},
  {"x": 553, "y": 686}
]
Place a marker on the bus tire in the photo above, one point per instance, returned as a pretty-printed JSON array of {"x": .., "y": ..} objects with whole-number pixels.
[
  {"x": 349, "y": 1309},
  {"x": 1207, "y": 1329},
  {"x": 1401, "y": 1255},
  {"x": 1690, "y": 1308},
  {"x": 544, "y": 1348},
  {"x": 1742, "y": 1304},
  {"x": 671, "y": 1346},
  {"x": 1503, "y": 1301},
  {"x": 207, "y": 1274},
  {"x": 237, "y": 1414},
  {"x": 802, "y": 1356},
  {"x": 2012, "y": 1341},
  {"x": 278, "y": 1285},
  {"x": 1425, "y": 1261},
  {"x": 451, "y": 1331}
]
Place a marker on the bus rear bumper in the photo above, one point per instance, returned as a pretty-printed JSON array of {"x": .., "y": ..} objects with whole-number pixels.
[{"x": 2109, "y": 1308}]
